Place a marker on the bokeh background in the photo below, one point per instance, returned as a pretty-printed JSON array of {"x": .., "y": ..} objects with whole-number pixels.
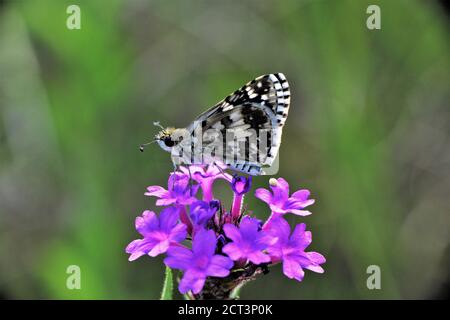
[{"x": 368, "y": 133}]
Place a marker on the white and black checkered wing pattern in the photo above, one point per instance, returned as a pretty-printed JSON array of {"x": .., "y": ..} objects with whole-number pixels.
[{"x": 261, "y": 105}]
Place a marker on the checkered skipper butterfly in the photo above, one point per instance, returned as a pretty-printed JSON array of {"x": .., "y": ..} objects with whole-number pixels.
[{"x": 243, "y": 131}]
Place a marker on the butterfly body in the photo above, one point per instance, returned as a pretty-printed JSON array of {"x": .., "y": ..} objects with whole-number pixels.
[{"x": 243, "y": 131}]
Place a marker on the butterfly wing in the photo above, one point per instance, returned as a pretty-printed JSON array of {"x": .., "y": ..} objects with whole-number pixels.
[{"x": 260, "y": 106}]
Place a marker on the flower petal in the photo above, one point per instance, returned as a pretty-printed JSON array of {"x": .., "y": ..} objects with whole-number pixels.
[
  {"x": 159, "y": 248},
  {"x": 219, "y": 266},
  {"x": 156, "y": 191},
  {"x": 292, "y": 269},
  {"x": 232, "y": 232},
  {"x": 299, "y": 232},
  {"x": 139, "y": 247},
  {"x": 257, "y": 257},
  {"x": 301, "y": 238},
  {"x": 315, "y": 268},
  {"x": 178, "y": 258},
  {"x": 280, "y": 190},
  {"x": 135, "y": 255},
  {"x": 178, "y": 233},
  {"x": 197, "y": 172},
  {"x": 178, "y": 182},
  {"x": 201, "y": 211},
  {"x": 264, "y": 195},
  {"x": 317, "y": 259},
  {"x": 279, "y": 228},
  {"x": 165, "y": 202},
  {"x": 296, "y": 204},
  {"x": 301, "y": 195},
  {"x": 248, "y": 227},
  {"x": 168, "y": 218},
  {"x": 233, "y": 251},
  {"x": 277, "y": 236},
  {"x": 193, "y": 281},
  {"x": 302, "y": 213},
  {"x": 147, "y": 223},
  {"x": 204, "y": 242}
]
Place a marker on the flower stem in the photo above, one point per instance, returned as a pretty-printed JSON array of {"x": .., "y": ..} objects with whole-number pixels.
[
  {"x": 237, "y": 206},
  {"x": 185, "y": 219},
  {"x": 207, "y": 190},
  {"x": 227, "y": 288}
]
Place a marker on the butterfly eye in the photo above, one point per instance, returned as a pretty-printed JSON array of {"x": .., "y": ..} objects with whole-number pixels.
[{"x": 168, "y": 142}]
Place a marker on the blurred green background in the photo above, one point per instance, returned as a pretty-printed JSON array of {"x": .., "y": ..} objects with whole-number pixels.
[{"x": 368, "y": 133}]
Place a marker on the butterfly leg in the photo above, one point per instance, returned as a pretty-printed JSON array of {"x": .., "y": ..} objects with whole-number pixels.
[
  {"x": 175, "y": 168},
  {"x": 190, "y": 182},
  {"x": 220, "y": 169}
]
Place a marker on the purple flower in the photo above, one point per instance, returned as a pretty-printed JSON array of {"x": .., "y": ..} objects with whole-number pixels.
[
  {"x": 215, "y": 238},
  {"x": 248, "y": 243},
  {"x": 207, "y": 177},
  {"x": 199, "y": 263},
  {"x": 280, "y": 202},
  {"x": 158, "y": 233},
  {"x": 291, "y": 249},
  {"x": 240, "y": 186},
  {"x": 201, "y": 212},
  {"x": 179, "y": 191}
]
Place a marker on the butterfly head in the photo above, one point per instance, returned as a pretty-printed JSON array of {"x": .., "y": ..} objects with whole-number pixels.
[{"x": 165, "y": 138}]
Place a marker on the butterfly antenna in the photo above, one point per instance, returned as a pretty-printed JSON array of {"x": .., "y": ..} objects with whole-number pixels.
[
  {"x": 157, "y": 124},
  {"x": 142, "y": 146}
]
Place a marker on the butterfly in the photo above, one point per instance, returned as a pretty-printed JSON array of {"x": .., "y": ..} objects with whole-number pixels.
[{"x": 243, "y": 131}]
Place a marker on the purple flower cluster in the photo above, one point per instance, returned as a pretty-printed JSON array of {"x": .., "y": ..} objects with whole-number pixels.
[{"x": 205, "y": 239}]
